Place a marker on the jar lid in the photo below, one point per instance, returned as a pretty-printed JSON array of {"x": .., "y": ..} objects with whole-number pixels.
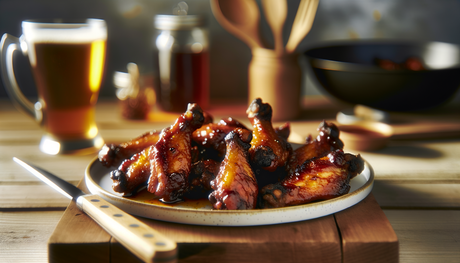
[{"x": 178, "y": 22}]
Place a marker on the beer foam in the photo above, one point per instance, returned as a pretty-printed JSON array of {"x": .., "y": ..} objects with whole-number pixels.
[
  {"x": 33, "y": 33},
  {"x": 65, "y": 36}
]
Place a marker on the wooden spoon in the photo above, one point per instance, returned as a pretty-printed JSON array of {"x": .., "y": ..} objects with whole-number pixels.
[
  {"x": 241, "y": 18},
  {"x": 302, "y": 23},
  {"x": 276, "y": 13}
]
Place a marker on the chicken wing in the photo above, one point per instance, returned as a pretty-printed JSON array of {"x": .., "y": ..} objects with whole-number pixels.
[
  {"x": 316, "y": 179},
  {"x": 235, "y": 186},
  {"x": 210, "y": 138},
  {"x": 113, "y": 155},
  {"x": 201, "y": 175},
  {"x": 171, "y": 156},
  {"x": 283, "y": 131},
  {"x": 327, "y": 140},
  {"x": 268, "y": 149},
  {"x": 133, "y": 173}
]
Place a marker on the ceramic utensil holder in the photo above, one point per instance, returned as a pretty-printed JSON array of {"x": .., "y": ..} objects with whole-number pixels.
[{"x": 276, "y": 79}]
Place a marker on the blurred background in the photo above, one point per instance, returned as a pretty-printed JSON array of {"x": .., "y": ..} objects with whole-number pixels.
[{"x": 131, "y": 33}]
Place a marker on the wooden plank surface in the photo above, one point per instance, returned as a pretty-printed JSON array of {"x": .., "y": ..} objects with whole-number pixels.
[
  {"x": 24, "y": 235},
  {"x": 367, "y": 234},
  {"x": 427, "y": 236},
  {"x": 422, "y": 195},
  {"x": 31, "y": 196}
]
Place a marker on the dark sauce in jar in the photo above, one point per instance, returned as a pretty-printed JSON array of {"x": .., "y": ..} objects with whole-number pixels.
[
  {"x": 189, "y": 82},
  {"x": 182, "y": 59}
]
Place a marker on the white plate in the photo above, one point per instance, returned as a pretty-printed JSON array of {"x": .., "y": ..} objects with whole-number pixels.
[{"x": 200, "y": 213}]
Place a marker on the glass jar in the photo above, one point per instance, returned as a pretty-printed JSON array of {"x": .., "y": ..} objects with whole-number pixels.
[{"x": 182, "y": 59}]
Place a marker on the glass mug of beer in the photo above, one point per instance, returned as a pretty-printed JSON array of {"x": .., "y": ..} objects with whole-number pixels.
[{"x": 67, "y": 60}]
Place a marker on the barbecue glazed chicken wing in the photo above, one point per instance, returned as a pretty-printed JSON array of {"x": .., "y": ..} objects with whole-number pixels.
[
  {"x": 171, "y": 158},
  {"x": 164, "y": 166},
  {"x": 316, "y": 179},
  {"x": 132, "y": 174},
  {"x": 113, "y": 155},
  {"x": 210, "y": 138},
  {"x": 201, "y": 175},
  {"x": 235, "y": 186},
  {"x": 268, "y": 149},
  {"x": 326, "y": 141}
]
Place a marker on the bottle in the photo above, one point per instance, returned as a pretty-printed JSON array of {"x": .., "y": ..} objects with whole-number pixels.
[{"x": 182, "y": 59}]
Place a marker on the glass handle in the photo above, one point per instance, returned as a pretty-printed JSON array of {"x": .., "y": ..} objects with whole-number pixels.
[{"x": 9, "y": 44}]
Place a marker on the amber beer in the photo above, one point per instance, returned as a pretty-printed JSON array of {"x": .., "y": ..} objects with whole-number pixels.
[{"x": 68, "y": 68}]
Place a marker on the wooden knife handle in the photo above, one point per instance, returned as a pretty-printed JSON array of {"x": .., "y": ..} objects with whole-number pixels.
[{"x": 139, "y": 238}]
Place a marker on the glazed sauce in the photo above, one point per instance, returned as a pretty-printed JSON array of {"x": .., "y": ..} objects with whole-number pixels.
[{"x": 145, "y": 196}]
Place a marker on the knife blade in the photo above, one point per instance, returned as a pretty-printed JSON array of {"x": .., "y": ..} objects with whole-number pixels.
[{"x": 143, "y": 241}]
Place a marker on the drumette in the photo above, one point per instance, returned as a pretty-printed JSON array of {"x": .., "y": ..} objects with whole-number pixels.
[
  {"x": 171, "y": 158},
  {"x": 268, "y": 149},
  {"x": 235, "y": 187}
]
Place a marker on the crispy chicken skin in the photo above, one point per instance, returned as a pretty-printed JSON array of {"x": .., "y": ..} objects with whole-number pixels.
[
  {"x": 235, "y": 186},
  {"x": 201, "y": 175},
  {"x": 319, "y": 178},
  {"x": 171, "y": 157},
  {"x": 210, "y": 138},
  {"x": 327, "y": 140},
  {"x": 113, "y": 155},
  {"x": 133, "y": 173},
  {"x": 268, "y": 149},
  {"x": 284, "y": 130}
]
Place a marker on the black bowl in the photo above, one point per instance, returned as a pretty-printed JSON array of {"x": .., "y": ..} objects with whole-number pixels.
[{"x": 357, "y": 72}]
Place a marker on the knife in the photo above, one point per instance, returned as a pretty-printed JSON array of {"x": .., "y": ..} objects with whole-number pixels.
[{"x": 143, "y": 241}]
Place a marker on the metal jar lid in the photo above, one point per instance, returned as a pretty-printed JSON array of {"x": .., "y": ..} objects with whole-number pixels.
[{"x": 178, "y": 22}]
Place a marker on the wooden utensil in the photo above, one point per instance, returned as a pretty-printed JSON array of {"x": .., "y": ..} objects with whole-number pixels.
[
  {"x": 241, "y": 18},
  {"x": 276, "y": 13},
  {"x": 302, "y": 24}
]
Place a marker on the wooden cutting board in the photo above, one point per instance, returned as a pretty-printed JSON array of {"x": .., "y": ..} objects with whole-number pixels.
[{"x": 361, "y": 233}]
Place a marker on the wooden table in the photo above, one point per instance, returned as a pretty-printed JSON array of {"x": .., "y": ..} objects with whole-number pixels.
[{"x": 417, "y": 181}]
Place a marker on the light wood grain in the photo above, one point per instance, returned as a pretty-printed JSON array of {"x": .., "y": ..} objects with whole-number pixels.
[
  {"x": 59, "y": 165},
  {"x": 24, "y": 235},
  {"x": 23, "y": 197},
  {"x": 417, "y": 160},
  {"x": 427, "y": 236},
  {"x": 393, "y": 194}
]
